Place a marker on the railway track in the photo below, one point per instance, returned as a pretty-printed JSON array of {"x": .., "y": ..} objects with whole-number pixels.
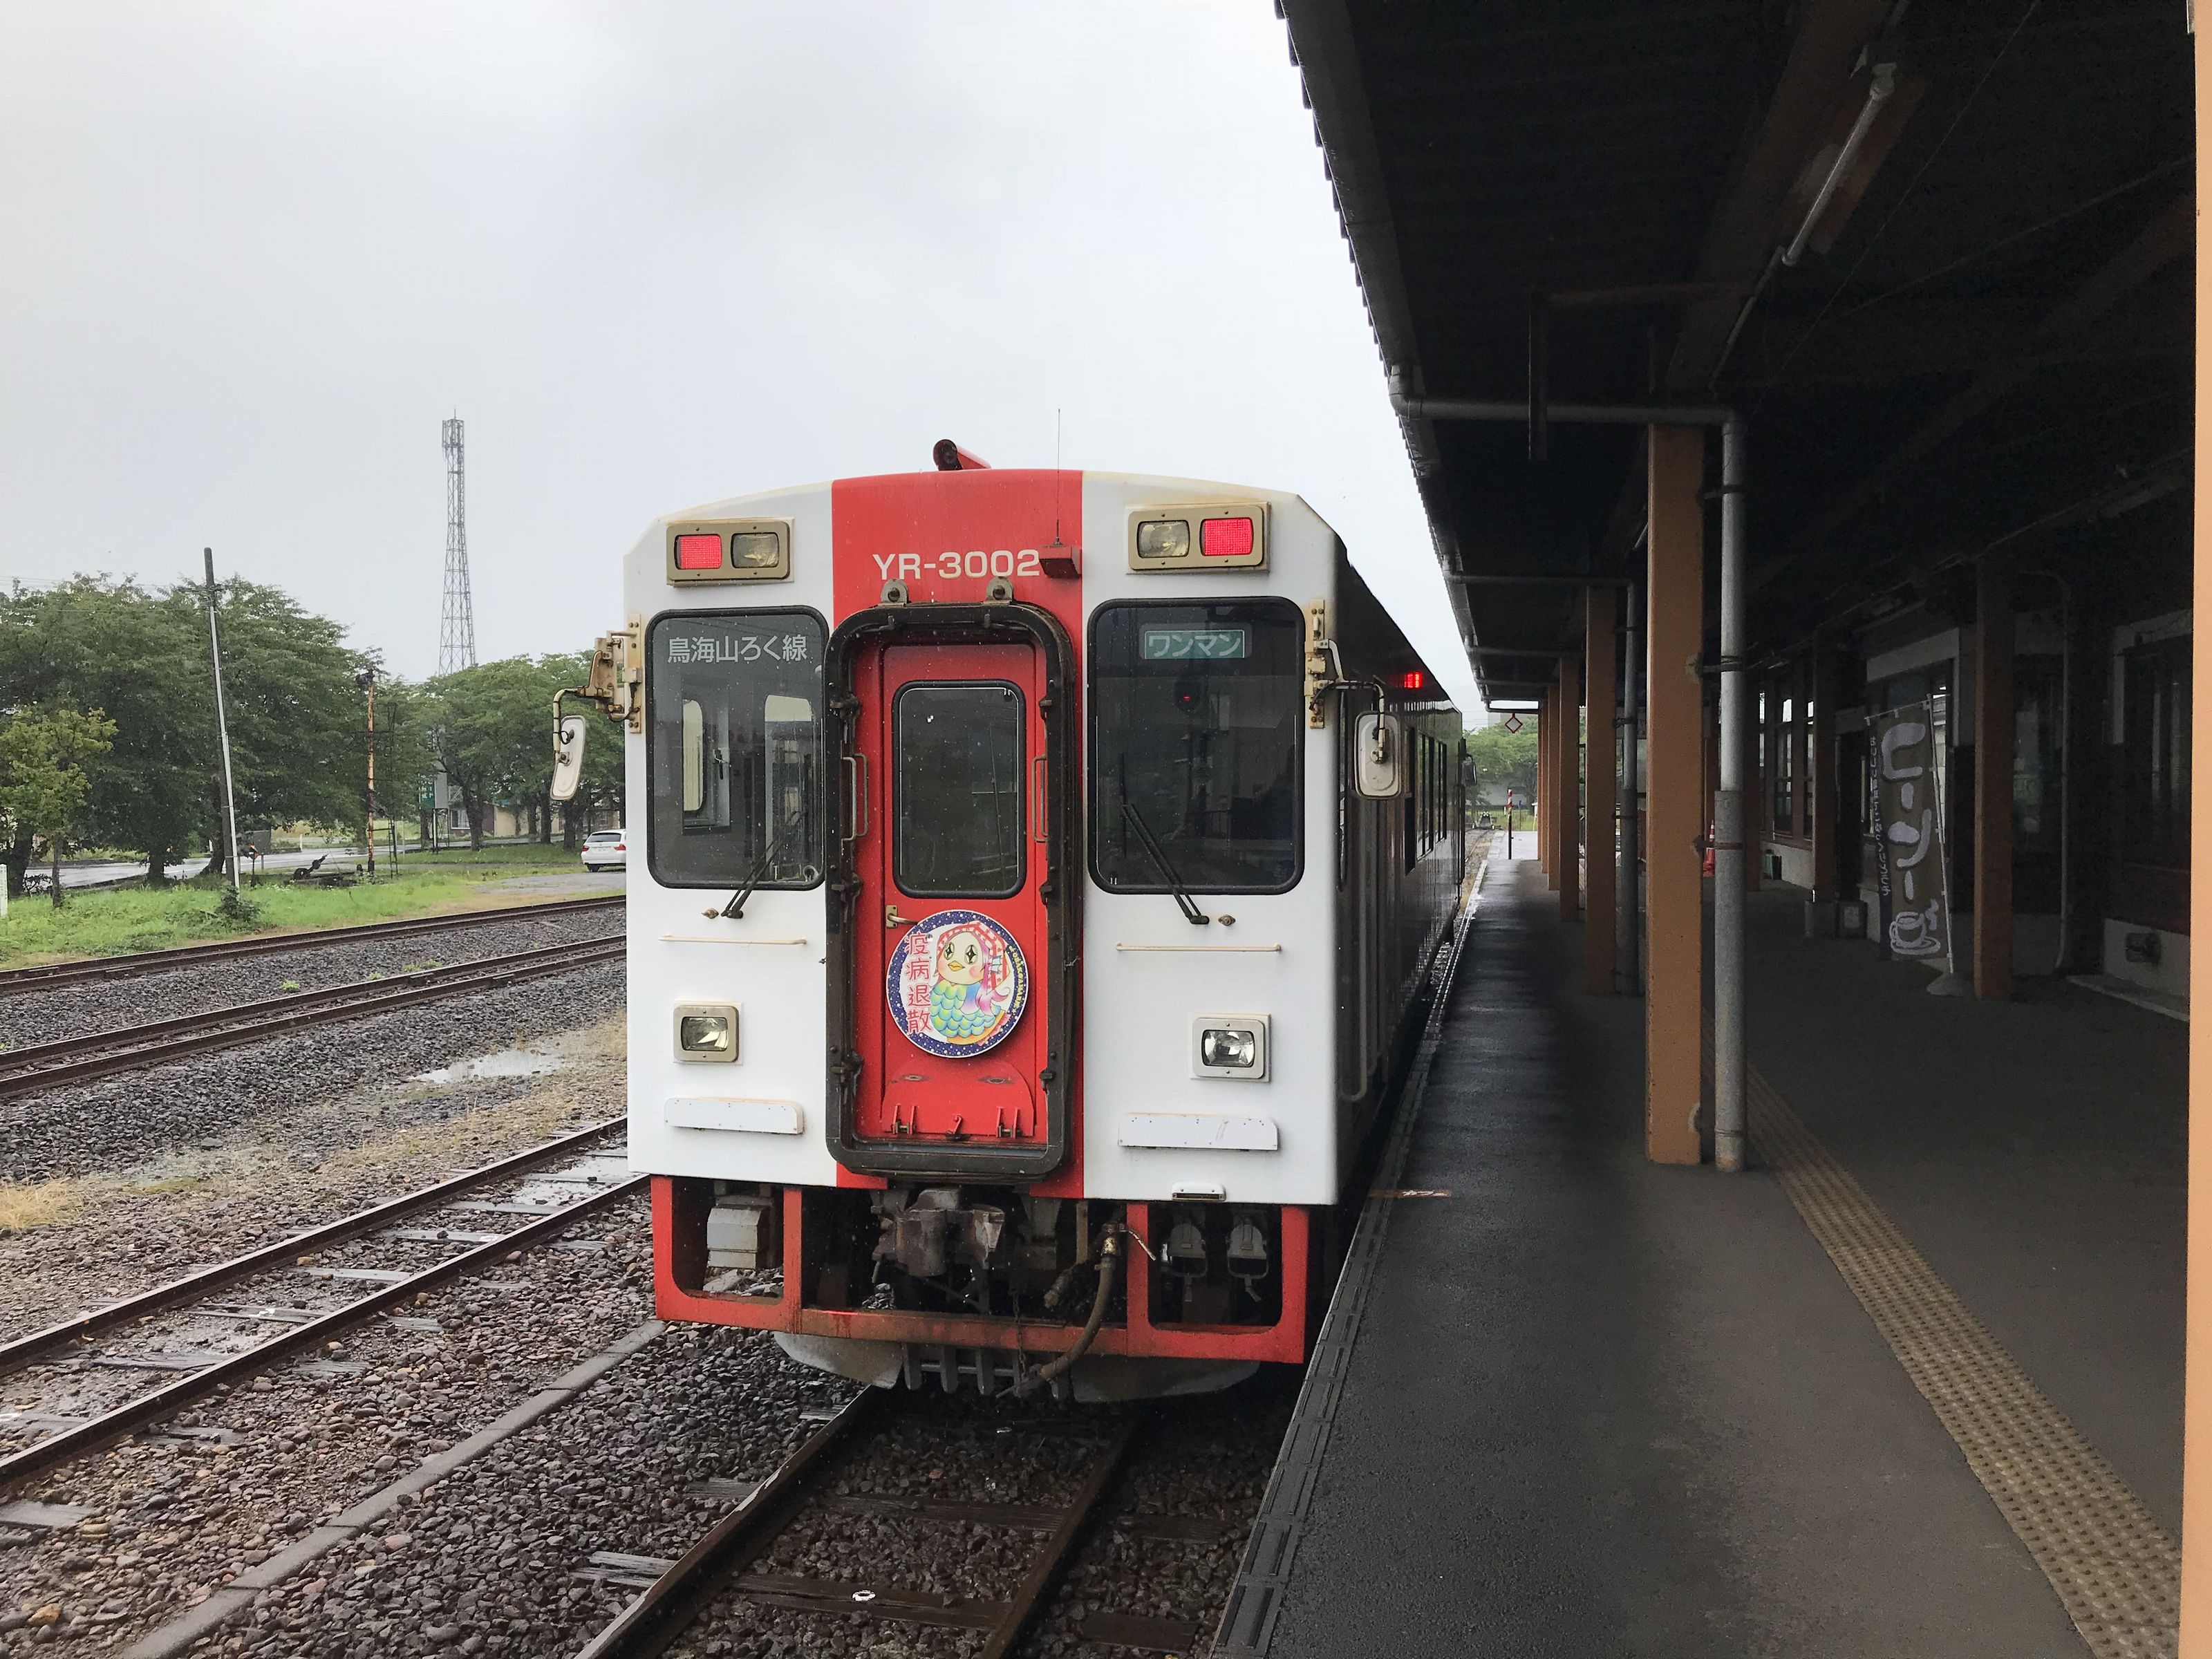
[
  {"x": 70, "y": 1344},
  {"x": 722, "y": 1565},
  {"x": 15, "y": 980},
  {"x": 130, "y": 1047}
]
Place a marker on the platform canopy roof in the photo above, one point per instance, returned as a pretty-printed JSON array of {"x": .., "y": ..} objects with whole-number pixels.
[{"x": 1985, "y": 341}]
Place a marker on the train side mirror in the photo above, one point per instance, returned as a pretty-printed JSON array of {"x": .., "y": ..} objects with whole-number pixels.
[
  {"x": 568, "y": 757},
  {"x": 1378, "y": 745}
]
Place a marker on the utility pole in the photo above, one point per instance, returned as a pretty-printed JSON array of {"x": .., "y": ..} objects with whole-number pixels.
[
  {"x": 366, "y": 680},
  {"x": 222, "y": 733},
  {"x": 457, "y": 631}
]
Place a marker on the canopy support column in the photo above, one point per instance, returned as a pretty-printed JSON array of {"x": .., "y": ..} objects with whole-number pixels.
[
  {"x": 1821, "y": 773},
  {"x": 1993, "y": 756},
  {"x": 1567, "y": 850},
  {"x": 2197, "y": 1387},
  {"x": 1673, "y": 1009},
  {"x": 1628, "y": 939},
  {"x": 1547, "y": 797},
  {"x": 1598, "y": 812}
]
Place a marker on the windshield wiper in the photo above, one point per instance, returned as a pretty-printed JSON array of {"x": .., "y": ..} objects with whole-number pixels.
[
  {"x": 757, "y": 874},
  {"x": 1145, "y": 839}
]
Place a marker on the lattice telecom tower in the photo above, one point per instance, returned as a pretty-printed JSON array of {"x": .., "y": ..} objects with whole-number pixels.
[{"x": 457, "y": 631}]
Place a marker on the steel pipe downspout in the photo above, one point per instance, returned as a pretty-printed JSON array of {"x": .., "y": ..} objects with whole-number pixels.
[
  {"x": 1627, "y": 944},
  {"x": 1729, "y": 817}
]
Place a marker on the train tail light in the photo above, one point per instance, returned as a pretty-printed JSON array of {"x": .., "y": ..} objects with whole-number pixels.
[
  {"x": 1225, "y": 538},
  {"x": 699, "y": 552}
]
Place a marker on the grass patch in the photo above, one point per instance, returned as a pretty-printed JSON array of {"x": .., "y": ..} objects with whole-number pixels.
[
  {"x": 121, "y": 919},
  {"x": 26, "y": 1205},
  {"x": 40, "y": 1204}
]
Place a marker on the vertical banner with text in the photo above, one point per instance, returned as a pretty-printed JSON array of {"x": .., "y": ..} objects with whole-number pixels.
[{"x": 1908, "y": 828}]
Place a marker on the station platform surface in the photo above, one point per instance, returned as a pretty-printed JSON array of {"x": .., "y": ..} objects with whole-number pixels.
[{"x": 1594, "y": 1406}]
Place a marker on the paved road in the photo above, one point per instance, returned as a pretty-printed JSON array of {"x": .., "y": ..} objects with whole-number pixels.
[{"x": 103, "y": 874}]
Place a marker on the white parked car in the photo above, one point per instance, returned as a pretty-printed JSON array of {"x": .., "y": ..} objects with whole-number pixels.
[{"x": 606, "y": 849}]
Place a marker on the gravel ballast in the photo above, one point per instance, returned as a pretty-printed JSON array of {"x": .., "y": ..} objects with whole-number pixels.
[
  {"x": 31, "y": 1017},
  {"x": 114, "y": 1122},
  {"x": 268, "y": 1176},
  {"x": 178, "y": 1513}
]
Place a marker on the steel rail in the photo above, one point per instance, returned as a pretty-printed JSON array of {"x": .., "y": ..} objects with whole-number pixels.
[
  {"x": 716, "y": 1564},
  {"x": 159, "y": 962},
  {"x": 20, "y": 1060},
  {"x": 663, "y": 1612},
  {"x": 29, "y": 1349},
  {"x": 22, "y": 1071},
  {"x": 59, "y": 1449},
  {"x": 1060, "y": 1549}
]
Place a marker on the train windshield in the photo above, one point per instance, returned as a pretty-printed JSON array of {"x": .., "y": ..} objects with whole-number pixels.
[
  {"x": 1196, "y": 718},
  {"x": 735, "y": 766}
]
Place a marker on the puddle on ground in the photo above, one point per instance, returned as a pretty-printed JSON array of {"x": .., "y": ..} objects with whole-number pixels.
[{"x": 539, "y": 1058}]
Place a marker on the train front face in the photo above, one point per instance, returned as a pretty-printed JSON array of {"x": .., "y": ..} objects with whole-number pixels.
[{"x": 938, "y": 1077}]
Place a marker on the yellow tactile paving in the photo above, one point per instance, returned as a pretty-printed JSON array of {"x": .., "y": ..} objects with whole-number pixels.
[{"x": 2117, "y": 1574}]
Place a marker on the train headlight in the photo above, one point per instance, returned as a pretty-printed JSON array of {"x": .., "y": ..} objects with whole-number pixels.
[
  {"x": 1217, "y": 1047},
  {"x": 1164, "y": 538},
  {"x": 1229, "y": 1045},
  {"x": 706, "y": 1031},
  {"x": 755, "y": 549}
]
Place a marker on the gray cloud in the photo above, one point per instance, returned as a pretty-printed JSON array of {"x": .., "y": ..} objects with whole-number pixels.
[{"x": 654, "y": 255}]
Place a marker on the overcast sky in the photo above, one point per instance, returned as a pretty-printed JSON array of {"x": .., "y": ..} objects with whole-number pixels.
[{"x": 653, "y": 254}]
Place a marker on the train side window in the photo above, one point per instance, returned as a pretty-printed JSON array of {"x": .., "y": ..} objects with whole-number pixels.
[
  {"x": 1197, "y": 736},
  {"x": 959, "y": 790},
  {"x": 734, "y": 759}
]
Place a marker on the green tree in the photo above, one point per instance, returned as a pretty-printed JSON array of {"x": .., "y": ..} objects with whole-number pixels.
[
  {"x": 92, "y": 643},
  {"x": 45, "y": 761},
  {"x": 299, "y": 724},
  {"x": 494, "y": 737},
  {"x": 491, "y": 722},
  {"x": 406, "y": 745},
  {"x": 298, "y": 728},
  {"x": 1504, "y": 759}
]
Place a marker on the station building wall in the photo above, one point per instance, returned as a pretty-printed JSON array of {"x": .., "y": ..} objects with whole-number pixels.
[{"x": 2100, "y": 771}]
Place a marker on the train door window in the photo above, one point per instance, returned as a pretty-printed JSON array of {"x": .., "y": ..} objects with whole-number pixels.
[
  {"x": 1427, "y": 775},
  {"x": 1197, "y": 746},
  {"x": 1436, "y": 790},
  {"x": 959, "y": 790},
  {"x": 1412, "y": 806},
  {"x": 734, "y": 760}
]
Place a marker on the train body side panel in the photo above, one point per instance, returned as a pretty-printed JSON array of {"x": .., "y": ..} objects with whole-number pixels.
[{"x": 770, "y": 963}]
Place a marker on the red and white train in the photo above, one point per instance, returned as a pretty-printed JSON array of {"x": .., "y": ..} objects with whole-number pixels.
[{"x": 1040, "y": 873}]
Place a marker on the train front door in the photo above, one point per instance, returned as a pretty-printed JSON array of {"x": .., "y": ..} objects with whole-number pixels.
[{"x": 952, "y": 788}]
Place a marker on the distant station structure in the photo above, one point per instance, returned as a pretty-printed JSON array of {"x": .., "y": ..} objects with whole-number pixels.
[{"x": 457, "y": 629}]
